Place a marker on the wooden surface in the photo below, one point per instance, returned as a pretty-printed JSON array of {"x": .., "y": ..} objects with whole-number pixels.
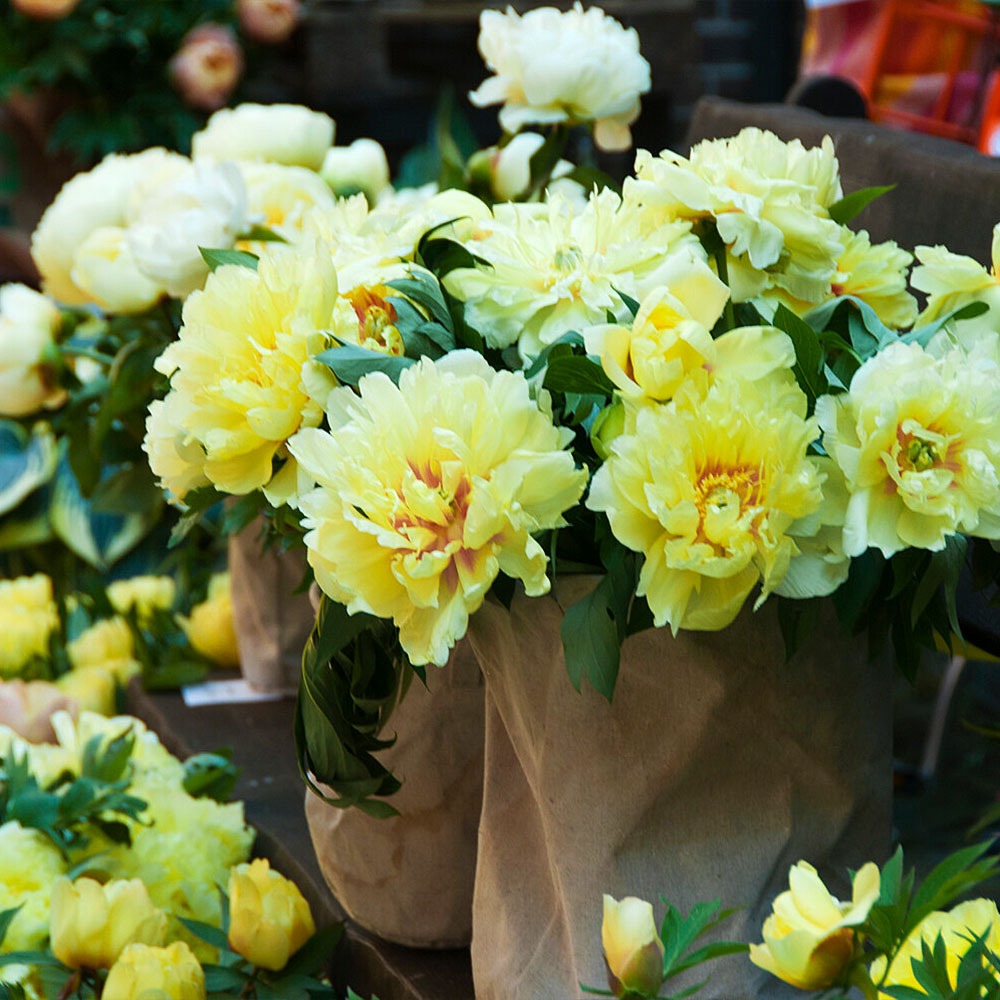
[{"x": 260, "y": 735}]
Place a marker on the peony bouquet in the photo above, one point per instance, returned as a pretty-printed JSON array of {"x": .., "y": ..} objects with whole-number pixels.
[{"x": 703, "y": 386}]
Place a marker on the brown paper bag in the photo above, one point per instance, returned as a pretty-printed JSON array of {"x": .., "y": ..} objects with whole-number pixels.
[
  {"x": 410, "y": 878},
  {"x": 272, "y": 621},
  {"x": 716, "y": 768}
]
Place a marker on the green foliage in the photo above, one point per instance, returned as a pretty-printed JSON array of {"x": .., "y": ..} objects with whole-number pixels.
[
  {"x": 239, "y": 258},
  {"x": 353, "y": 675},
  {"x": 853, "y": 204},
  {"x": 108, "y": 60},
  {"x": 70, "y": 809},
  {"x": 211, "y": 775}
]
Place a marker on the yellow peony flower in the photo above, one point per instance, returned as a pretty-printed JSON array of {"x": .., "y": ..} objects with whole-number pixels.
[
  {"x": 670, "y": 339},
  {"x": 288, "y": 134},
  {"x": 144, "y": 594},
  {"x": 973, "y": 918},
  {"x": 29, "y": 864},
  {"x": 428, "y": 490},
  {"x": 90, "y": 923},
  {"x": 106, "y": 270},
  {"x": 88, "y": 202},
  {"x": 708, "y": 488},
  {"x": 557, "y": 66},
  {"x": 876, "y": 274},
  {"x": 918, "y": 440},
  {"x": 110, "y": 640},
  {"x": 809, "y": 937},
  {"x": 29, "y": 323},
  {"x": 170, "y": 973},
  {"x": 769, "y": 200},
  {"x": 281, "y": 196},
  {"x": 362, "y": 166},
  {"x": 238, "y": 370},
  {"x": 633, "y": 951},
  {"x": 951, "y": 281},
  {"x": 269, "y": 920},
  {"x": 210, "y": 628},
  {"x": 553, "y": 268},
  {"x": 28, "y": 616},
  {"x": 92, "y": 688}
]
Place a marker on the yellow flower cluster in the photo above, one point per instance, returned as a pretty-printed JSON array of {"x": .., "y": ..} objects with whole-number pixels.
[
  {"x": 181, "y": 851},
  {"x": 28, "y": 616},
  {"x": 428, "y": 490}
]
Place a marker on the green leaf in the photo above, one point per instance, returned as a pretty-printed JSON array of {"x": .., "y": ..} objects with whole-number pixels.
[
  {"x": 207, "y": 933},
  {"x": 809, "y": 355},
  {"x": 852, "y": 599},
  {"x": 97, "y": 538},
  {"x": 351, "y": 363},
  {"x": 798, "y": 620},
  {"x": 6, "y": 918},
  {"x": 853, "y": 204},
  {"x": 27, "y": 461},
  {"x": 316, "y": 953},
  {"x": 592, "y": 179},
  {"x": 594, "y": 628},
  {"x": 957, "y": 874},
  {"x": 258, "y": 234},
  {"x": 217, "y": 258},
  {"x": 211, "y": 775},
  {"x": 574, "y": 373},
  {"x": 424, "y": 289}
]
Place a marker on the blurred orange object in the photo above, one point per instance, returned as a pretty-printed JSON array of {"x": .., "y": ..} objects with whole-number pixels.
[{"x": 921, "y": 64}]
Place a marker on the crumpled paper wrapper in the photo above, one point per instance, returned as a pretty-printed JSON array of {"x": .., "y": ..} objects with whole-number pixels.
[
  {"x": 272, "y": 622},
  {"x": 716, "y": 768},
  {"x": 410, "y": 878}
]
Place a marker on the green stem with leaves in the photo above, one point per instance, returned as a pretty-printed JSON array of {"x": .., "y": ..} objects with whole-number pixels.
[{"x": 551, "y": 152}]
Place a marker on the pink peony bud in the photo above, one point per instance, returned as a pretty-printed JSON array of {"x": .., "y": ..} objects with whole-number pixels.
[
  {"x": 207, "y": 67},
  {"x": 47, "y": 10},
  {"x": 268, "y": 21},
  {"x": 27, "y": 708}
]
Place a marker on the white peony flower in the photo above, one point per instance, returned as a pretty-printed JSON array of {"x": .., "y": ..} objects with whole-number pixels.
[
  {"x": 91, "y": 200},
  {"x": 204, "y": 207},
  {"x": 105, "y": 269},
  {"x": 552, "y": 66},
  {"x": 266, "y": 133},
  {"x": 362, "y": 166},
  {"x": 28, "y": 325}
]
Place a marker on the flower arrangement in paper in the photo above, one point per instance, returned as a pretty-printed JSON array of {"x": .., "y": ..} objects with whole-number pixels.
[{"x": 713, "y": 390}]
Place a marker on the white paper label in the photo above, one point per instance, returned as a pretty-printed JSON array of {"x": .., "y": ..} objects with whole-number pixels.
[{"x": 224, "y": 693}]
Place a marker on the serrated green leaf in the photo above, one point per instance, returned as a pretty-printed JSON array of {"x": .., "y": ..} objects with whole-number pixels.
[{"x": 809, "y": 355}]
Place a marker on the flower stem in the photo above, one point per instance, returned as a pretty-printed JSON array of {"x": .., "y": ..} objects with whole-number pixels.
[
  {"x": 722, "y": 266},
  {"x": 552, "y": 151}
]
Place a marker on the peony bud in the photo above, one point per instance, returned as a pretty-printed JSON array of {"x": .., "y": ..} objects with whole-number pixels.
[
  {"x": 207, "y": 67},
  {"x": 143, "y": 593},
  {"x": 633, "y": 951},
  {"x": 171, "y": 973},
  {"x": 210, "y": 628},
  {"x": 90, "y": 924},
  {"x": 268, "y": 21},
  {"x": 608, "y": 425},
  {"x": 27, "y": 708},
  {"x": 809, "y": 938},
  {"x": 362, "y": 166},
  {"x": 28, "y": 326},
  {"x": 269, "y": 920},
  {"x": 46, "y": 10}
]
